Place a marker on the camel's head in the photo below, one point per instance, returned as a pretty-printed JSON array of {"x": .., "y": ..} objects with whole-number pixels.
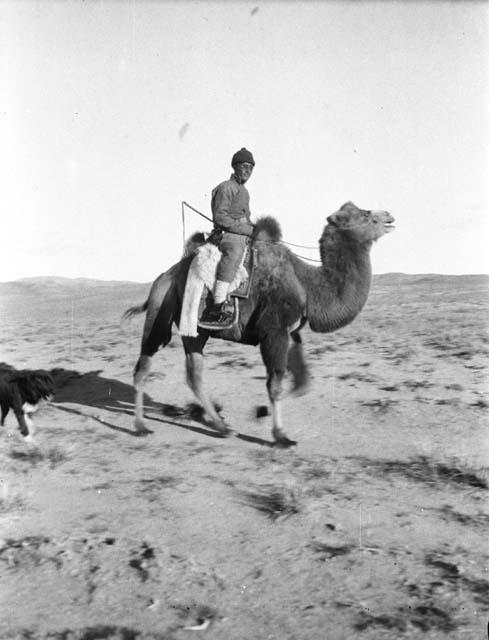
[{"x": 363, "y": 225}]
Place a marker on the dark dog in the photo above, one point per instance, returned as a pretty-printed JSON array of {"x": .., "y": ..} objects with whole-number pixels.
[{"x": 22, "y": 391}]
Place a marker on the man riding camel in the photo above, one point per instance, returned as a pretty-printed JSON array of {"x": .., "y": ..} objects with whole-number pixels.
[{"x": 230, "y": 213}]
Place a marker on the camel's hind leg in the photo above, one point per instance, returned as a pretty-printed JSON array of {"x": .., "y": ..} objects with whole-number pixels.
[
  {"x": 141, "y": 372},
  {"x": 297, "y": 365},
  {"x": 194, "y": 360},
  {"x": 274, "y": 350},
  {"x": 162, "y": 309}
]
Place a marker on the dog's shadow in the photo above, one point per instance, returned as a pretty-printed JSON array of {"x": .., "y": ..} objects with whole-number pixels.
[{"x": 108, "y": 394}]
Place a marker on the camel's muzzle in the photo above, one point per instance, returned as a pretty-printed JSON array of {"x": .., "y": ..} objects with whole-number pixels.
[{"x": 385, "y": 218}]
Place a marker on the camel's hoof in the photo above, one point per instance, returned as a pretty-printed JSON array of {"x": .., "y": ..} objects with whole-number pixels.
[
  {"x": 29, "y": 438},
  {"x": 223, "y": 430},
  {"x": 141, "y": 429},
  {"x": 284, "y": 443},
  {"x": 143, "y": 434}
]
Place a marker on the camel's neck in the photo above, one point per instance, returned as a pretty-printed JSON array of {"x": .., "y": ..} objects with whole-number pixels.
[{"x": 338, "y": 290}]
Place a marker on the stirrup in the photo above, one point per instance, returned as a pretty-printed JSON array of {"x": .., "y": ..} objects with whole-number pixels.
[{"x": 217, "y": 317}]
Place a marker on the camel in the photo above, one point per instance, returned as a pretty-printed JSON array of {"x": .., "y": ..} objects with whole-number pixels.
[{"x": 285, "y": 294}]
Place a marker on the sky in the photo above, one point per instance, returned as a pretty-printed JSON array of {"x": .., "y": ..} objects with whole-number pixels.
[{"x": 113, "y": 113}]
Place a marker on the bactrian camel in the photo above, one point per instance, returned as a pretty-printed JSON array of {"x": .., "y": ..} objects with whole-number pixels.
[{"x": 285, "y": 293}]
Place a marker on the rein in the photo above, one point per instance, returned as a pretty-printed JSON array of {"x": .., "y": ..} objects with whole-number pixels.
[{"x": 202, "y": 215}]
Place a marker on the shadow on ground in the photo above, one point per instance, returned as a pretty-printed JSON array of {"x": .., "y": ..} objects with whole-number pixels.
[
  {"x": 108, "y": 394},
  {"x": 91, "y": 390}
]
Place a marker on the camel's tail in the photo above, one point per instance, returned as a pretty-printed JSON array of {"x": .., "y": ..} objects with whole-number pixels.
[{"x": 134, "y": 311}]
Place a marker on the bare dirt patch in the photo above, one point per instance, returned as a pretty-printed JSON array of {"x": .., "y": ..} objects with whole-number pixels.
[{"x": 373, "y": 527}]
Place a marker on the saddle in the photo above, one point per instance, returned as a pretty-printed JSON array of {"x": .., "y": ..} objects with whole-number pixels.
[
  {"x": 200, "y": 283},
  {"x": 242, "y": 290}
]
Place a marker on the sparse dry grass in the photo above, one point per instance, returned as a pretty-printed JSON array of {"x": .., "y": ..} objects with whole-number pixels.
[
  {"x": 33, "y": 456},
  {"x": 156, "y": 485},
  {"x": 274, "y": 502},
  {"x": 425, "y": 617},
  {"x": 447, "y": 512},
  {"x": 326, "y": 550},
  {"x": 29, "y": 551},
  {"x": 359, "y": 376},
  {"x": 453, "y": 574},
  {"x": 151, "y": 488},
  {"x": 452, "y": 346},
  {"x": 417, "y": 384},
  {"x": 10, "y": 499},
  {"x": 92, "y": 632},
  {"x": 428, "y": 471},
  {"x": 56, "y": 456},
  {"x": 380, "y": 405}
]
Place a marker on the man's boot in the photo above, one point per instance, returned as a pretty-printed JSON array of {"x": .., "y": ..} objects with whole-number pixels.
[{"x": 217, "y": 314}]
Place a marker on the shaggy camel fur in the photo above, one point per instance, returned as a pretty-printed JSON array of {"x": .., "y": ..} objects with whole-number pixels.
[{"x": 285, "y": 294}]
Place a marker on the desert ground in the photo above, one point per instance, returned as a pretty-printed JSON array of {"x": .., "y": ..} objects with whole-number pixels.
[{"x": 373, "y": 527}]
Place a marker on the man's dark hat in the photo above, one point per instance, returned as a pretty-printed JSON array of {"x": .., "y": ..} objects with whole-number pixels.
[{"x": 243, "y": 155}]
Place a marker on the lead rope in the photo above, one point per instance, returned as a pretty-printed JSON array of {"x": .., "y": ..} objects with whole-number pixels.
[{"x": 290, "y": 244}]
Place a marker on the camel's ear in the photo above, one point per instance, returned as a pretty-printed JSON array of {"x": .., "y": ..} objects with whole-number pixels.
[
  {"x": 349, "y": 206},
  {"x": 343, "y": 213}
]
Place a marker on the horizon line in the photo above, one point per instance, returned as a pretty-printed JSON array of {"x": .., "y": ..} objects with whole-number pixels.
[{"x": 97, "y": 279}]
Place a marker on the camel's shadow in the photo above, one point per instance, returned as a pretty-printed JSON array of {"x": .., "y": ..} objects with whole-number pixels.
[{"x": 92, "y": 390}]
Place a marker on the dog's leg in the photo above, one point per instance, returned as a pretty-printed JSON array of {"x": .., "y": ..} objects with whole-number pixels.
[
  {"x": 29, "y": 408},
  {"x": 18, "y": 407},
  {"x": 30, "y": 424},
  {"x": 24, "y": 421}
]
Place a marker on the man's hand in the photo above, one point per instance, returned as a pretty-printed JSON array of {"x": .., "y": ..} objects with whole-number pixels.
[{"x": 216, "y": 237}]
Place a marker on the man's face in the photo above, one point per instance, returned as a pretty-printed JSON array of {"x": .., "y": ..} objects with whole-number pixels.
[{"x": 243, "y": 171}]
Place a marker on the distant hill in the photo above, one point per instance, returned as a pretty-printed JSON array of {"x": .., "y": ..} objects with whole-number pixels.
[
  {"x": 429, "y": 284},
  {"x": 53, "y": 282},
  {"x": 425, "y": 278},
  {"x": 53, "y": 298},
  {"x": 58, "y": 284},
  {"x": 54, "y": 288}
]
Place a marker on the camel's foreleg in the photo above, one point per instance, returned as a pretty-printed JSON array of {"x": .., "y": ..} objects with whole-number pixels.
[
  {"x": 194, "y": 360},
  {"x": 274, "y": 351},
  {"x": 141, "y": 371}
]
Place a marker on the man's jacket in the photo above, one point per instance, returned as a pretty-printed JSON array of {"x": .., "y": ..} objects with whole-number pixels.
[{"x": 230, "y": 207}]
